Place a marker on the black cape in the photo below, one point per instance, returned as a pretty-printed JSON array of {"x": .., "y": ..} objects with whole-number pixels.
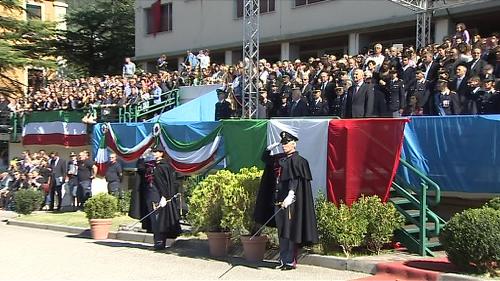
[
  {"x": 145, "y": 193},
  {"x": 138, "y": 200},
  {"x": 298, "y": 221}
]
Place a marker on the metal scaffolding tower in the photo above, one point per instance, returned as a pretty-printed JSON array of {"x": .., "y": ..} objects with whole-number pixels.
[
  {"x": 424, "y": 10},
  {"x": 250, "y": 58}
]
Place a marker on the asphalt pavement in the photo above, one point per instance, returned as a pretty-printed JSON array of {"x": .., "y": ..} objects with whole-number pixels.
[{"x": 49, "y": 255}]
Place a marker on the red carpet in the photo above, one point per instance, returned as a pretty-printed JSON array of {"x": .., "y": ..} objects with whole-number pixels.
[{"x": 421, "y": 269}]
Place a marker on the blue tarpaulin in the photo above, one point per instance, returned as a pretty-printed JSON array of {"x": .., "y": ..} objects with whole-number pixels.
[
  {"x": 460, "y": 153},
  {"x": 200, "y": 109}
]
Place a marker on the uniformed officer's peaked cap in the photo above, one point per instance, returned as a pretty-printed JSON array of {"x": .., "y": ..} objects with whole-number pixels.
[{"x": 286, "y": 137}]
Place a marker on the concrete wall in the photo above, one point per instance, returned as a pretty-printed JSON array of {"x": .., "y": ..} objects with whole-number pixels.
[{"x": 213, "y": 24}]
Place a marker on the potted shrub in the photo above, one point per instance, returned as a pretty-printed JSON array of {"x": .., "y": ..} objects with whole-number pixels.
[
  {"x": 206, "y": 205},
  {"x": 249, "y": 181},
  {"x": 100, "y": 209}
]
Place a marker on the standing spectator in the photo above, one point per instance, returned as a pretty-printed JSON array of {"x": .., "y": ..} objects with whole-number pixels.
[
  {"x": 327, "y": 87},
  {"x": 446, "y": 101},
  {"x": 72, "y": 178},
  {"x": 477, "y": 64},
  {"x": 156, "y": 93},
  {"x": 459, "y": 86},
  {"x": 462, "y": 34},
  {"x": 360, "y": 97},
  {"x": 377, "y": 57},
  {"x": 113, "y": 176},
  {"x": 396, "y": 98},
  {"x": 191, "y": 60},
  {"x": 58, "y": 169},
  {"x": 4, "y": 104},
  {"x": 298, "y": 107},
  {"x": 265, "y": 106},
  {"x": 161, "y": 63},
  {"x": 222, "y": 107},
  {"x": 204, "y": 59},
  {"x": 408, "y": 76},
  {"x": 86, "y": 172},
  {"x": 317, "y": 106},
  {"x": 337, "y": 107},
  {"x": 422, "y": 91},
  {"x": 128, "y": 70}
]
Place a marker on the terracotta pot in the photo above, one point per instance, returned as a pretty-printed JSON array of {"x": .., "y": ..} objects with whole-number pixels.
[
  {"x": 99, "y": 228},
  {"x": 218, "y": 243},
  {"x": 254, "y": 249}
]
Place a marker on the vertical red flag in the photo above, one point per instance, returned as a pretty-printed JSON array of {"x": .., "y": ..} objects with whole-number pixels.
[
  {"x": 156, "y": 14},
  {"x": 363, "y": 156}
]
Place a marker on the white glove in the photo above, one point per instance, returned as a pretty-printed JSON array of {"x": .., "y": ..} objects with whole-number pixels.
[
  {"x": 163, "y": 202},
  {"x": 290, "y": 198},
  {"x": 273, "y": 146}
]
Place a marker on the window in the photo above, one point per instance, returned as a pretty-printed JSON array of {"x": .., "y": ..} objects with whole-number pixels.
[
  {"x": 306, "y": 2},
  {"x": 33, "y": 12},
  {"x": 165, "y": 18},
  {"x": 265, "y": 6}
]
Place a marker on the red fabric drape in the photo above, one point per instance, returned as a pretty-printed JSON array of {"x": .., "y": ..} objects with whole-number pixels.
[
  {"x": 363, "y": 156},
  {"x": 156, "y": 14},
  {"x": 191, "y": 168},
  {"x": 127, "y": 157}
]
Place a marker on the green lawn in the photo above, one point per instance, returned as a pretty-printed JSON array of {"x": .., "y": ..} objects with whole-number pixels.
[{"x": 71, "y": 219}]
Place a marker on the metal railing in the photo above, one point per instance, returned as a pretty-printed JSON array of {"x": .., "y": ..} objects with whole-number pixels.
[
  {"x": 429, "y": 224},
  {"x": 149, "y": 108}
]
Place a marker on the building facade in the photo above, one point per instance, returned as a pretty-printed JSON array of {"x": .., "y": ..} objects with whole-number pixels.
[
  {"x": 291, "y": 29},
  {"x": 46, "y": 10}
]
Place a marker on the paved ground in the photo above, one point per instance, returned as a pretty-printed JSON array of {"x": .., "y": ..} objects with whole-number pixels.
[{"x": 48, "y": 255}]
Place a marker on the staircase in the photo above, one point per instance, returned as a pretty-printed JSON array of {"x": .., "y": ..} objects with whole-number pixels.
[{"x": 422, "y": 228}]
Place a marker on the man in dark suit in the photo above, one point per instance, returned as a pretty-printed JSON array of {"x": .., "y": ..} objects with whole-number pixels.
[
  {"x": 318, "y": 106},
  {"x": 477, "y": 64},
  {"x": 307, "y": 89},
  {"x": 459, "y": 85},
  {"x": 222, "y": 107},
  {"x": 327, "y": 87},
  {"x": 298, "y": 107},
  {"x": 58, "y": 169},
  {"x": 359, "y": 102},
  {"x": 423, "y": 93},
  {"x": 408, "y": 76}
]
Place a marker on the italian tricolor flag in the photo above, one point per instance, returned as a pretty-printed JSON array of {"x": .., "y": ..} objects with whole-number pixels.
[{"x": 55, "y": 127}]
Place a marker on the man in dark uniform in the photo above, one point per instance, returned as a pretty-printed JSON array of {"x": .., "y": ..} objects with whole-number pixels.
[
  {"x": 222, "y": 107},
  {"x": 138, "y": 199},
  {"x": 285, "y": 189},
  {"x": 114, "y": 176},
  {"x": 282, "y": 108},
  {"x": 337, "y": 108},
  {"x": 265, "y": 108},
  {"x": 396, "y": 95},
  {"x": 318, "y": 106},
  {"x": 165, "y": 221}
]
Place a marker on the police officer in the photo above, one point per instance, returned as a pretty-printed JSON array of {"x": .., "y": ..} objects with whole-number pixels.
[
  {"x": 318, "y": 106},
  {"x": 396, "y": 96},
  {"x": 222, "y": 107},
  {"x": 285, "y": 190},
  {"x": 114, "y": 176}
]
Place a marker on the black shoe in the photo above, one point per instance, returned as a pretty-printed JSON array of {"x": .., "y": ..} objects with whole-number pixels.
[
  {"x": 280, "y": 266},
  {"x": 287, "y": 267}
]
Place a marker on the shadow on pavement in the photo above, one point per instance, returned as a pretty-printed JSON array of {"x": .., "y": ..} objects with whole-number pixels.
[{"x": 84, "y": 234}]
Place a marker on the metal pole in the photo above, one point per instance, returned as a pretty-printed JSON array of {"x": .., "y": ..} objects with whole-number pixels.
[{"x": 250, "y": 58}]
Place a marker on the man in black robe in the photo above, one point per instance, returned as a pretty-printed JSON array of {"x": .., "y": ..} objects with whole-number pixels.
[
  {"x": 138, "y": 202},
  {"x": 286, "y": 189},
  {"x": 160, "y": 192}
]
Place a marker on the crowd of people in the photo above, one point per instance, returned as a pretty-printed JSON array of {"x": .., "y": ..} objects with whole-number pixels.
[
  {"x": 51, "y": 174},
  {"x": 459, "y": 76}
]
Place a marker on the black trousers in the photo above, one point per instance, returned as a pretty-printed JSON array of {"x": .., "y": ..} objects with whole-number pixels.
[
  {"x": 56, "y": 191},
  {"x": 160, "y": 238},
  {"x": 288, "y": 248}
]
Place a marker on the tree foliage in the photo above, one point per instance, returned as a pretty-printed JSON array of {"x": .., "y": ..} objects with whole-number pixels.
[
  {"x": 99, "y": 36},
  {"x": 23, "y": 43}
]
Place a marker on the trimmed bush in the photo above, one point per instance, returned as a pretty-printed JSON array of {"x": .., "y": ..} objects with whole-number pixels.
[
  {"x": 494, "y": 203},
  {"x": 343, "y": 226},
  {"x": 27, "y": 200},
  {"x": 101, "y": 206},
  {"x": 471, "y": 240},
  {"x": 382, "y": 219}
]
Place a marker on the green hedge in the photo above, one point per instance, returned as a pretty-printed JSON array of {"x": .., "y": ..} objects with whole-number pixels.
[
  {"x": 471, "y": 240},
  {"x": 368, "y": 223},
  {"x": 27, "y": 200},
  {"x": 494, "y": 203}
]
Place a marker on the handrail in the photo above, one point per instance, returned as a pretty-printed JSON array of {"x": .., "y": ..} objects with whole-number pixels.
[
  {"x": 132, "y": 112},
  {"x": 427, "y": 182}
]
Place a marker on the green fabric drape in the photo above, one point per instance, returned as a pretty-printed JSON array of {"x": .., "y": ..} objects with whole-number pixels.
[
  {"x": 190, "y": 146},
  {"x": 244, "y": 141}
]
